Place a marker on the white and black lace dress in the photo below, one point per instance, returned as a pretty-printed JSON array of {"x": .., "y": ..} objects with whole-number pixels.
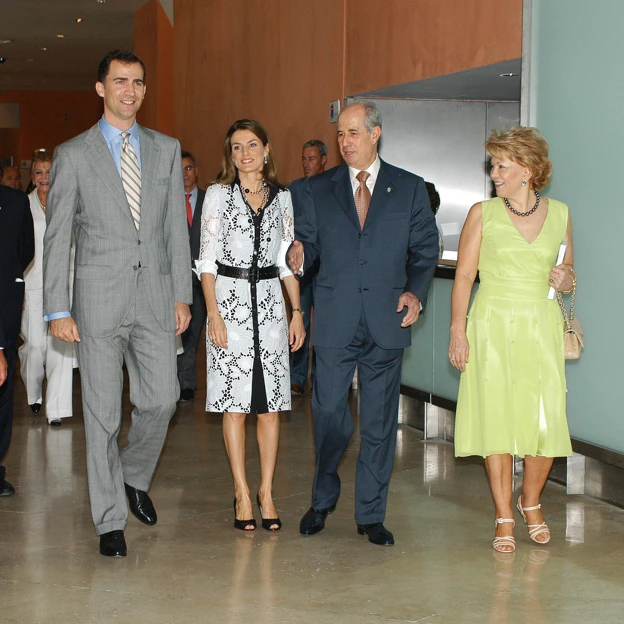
[{"x": 252, "y": 374}]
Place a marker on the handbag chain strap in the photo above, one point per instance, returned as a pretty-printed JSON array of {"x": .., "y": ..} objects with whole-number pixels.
[{"x": 567, "y": 317}]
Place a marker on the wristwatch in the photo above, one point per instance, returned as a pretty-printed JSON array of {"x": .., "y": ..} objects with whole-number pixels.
[{"x": 299, "y": 310}]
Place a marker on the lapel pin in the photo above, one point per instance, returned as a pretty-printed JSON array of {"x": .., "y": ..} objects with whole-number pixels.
[{"x": 389, "y": 190}]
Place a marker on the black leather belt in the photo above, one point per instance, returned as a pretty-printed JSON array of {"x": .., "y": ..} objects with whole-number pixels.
[{"x": 251, "y": 275}]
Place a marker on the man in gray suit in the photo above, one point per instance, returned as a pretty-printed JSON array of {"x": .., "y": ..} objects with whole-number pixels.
[{"x": 117, "y": 188}]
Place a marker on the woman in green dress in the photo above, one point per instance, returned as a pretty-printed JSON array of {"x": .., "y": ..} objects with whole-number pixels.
[{"x": 510, "y": 349}]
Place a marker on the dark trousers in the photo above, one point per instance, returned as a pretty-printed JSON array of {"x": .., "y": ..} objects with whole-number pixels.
[
  {"x": 6, "y": 403},
  {"x": 379, "y": 373},
  {"x": 299, "y": 359},
  {"x": 187, "y": 361}
]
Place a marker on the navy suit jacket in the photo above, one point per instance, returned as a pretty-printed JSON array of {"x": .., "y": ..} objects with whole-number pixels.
[
  {"x": 17, "y": 249},
  {"x": 369, "y": 268},
  {"x": 195, "y": 229}
]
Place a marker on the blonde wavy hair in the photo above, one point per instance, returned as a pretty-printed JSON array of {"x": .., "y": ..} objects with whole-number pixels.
[{"x": 525, "y": 146}]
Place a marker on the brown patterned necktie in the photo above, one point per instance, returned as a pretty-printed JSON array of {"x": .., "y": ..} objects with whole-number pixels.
[{"x": 362, "y": 197}]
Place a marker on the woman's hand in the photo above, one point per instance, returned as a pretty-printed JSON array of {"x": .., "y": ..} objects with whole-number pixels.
[
  {"x": 459, "y": 349},
  {"x": 217, "y": 332},
  {"x": 296, "y": 331},
  {"x": 560, "y": 278}
]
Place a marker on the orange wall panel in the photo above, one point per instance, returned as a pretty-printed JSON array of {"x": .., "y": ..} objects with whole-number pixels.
[
  {"x": 153, "y": 44},
  {"x": 391, "y": 42},
  {"x": 283, "y": 61},
  {"x": 49, "y": 118},
  {"x": 280, "y": 62}
]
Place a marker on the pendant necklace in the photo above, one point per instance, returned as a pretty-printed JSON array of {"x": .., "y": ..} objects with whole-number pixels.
[{"x": 523, "y": 214}]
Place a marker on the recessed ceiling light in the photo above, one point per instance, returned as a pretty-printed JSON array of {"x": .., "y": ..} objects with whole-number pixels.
[
  {"x": 6, "y": 41},
  {"x": 60, "y": 36},
  {"x": 44, "y": 49},
  {"x": 510, "y": 75},
  {"x": 78, "y": 20},
  {"x": 101, "y": 1}
]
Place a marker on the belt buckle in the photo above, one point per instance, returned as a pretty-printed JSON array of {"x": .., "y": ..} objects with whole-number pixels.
[{"x": 254, "y": 274}]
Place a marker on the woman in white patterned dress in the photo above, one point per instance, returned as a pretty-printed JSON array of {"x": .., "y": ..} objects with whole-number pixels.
[{"x": 247, "y": 227}]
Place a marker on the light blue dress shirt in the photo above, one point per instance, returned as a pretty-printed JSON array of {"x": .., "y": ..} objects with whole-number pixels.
[{"x": 114, "y": 140}]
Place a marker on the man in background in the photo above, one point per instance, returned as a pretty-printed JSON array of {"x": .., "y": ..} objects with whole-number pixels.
[
  {"x": 194, "y": 199},
  {"x": 118, "y": 189},
  {"x": 10, "y": 176},
  {"x": 17, "y": 249},
  {"x": 313, "y": 161}
]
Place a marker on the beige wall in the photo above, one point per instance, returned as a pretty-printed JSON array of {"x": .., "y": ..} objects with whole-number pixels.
[{"x": 282, "y": 61}]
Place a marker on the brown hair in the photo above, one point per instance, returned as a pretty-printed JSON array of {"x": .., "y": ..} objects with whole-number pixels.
[
  {"x": 228, "y": 173},
  {"x": 525, "y": 146}
]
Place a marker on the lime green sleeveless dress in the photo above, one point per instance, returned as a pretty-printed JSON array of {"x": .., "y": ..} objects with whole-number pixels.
[{"x": 512, "y": 396}]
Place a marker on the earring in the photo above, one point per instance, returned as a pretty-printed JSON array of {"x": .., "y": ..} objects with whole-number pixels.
[
  {"x": 266, "y": 159},
  {"x": 524, "y": 182}
]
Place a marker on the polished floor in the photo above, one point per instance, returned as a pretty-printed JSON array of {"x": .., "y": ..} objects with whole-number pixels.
[{"x": 193, "y": 567}]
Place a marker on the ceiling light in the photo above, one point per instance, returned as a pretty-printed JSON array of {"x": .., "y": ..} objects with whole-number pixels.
[
  {"x": 509, "y": 75},
  {"x": 6, "y": 41},
  {"x": 101, "y": 1},
  {"x": 78, "y": 20},
  {"x": 60, "y": 36}
]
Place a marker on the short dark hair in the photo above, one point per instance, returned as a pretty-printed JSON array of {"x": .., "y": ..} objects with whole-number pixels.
[
  {"x": 189, "y": 155},
  {"x": 322, "y": 148},
  {"x": 434, "y": 196},
  {"x": 123, "y": 56}
]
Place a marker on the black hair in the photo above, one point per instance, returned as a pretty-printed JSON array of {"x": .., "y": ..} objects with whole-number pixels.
[{"x": 123, "y": 56}]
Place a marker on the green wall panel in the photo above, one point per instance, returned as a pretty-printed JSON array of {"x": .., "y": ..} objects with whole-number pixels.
[{"x": 577, "y": 96}]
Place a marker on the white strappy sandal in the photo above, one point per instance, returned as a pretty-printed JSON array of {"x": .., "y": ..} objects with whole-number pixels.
[
  {"x": 534, "y": 529},
  {"x": 508, "y": 540}
]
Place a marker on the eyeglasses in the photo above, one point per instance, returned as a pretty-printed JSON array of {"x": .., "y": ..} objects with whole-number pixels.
[{"x": 188, "y": 168}]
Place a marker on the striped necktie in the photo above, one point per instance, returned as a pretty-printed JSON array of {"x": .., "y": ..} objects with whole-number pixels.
[{"x": 131, "y": 178}]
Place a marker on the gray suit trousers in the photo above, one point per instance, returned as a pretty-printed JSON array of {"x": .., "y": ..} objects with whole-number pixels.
[{"x": 150, "y": 356}]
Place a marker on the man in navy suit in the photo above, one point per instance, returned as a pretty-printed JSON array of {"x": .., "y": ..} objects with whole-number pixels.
[
  {"x": 17, "y": 249},
  {"x": 313, "y": 160},
  {"x": 371, "y": 226},
  {"x": 187, "y": 364}
]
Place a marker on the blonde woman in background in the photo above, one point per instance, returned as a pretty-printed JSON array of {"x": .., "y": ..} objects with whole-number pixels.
[{"x": 41, "y": 354}]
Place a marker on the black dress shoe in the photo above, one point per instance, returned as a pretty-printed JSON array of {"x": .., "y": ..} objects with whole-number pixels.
[
  {"x": 141, "y": 505},
  {"x": 55, "y": 422},
  {"x": 313, "y": 520},
  {"x": 113, "y": 544},
  {"x": 377, "y": 533},
  {"x": 186, "y": 395},
  {"x": 35, "y": 407},
  {"x": 6, "y": 489}
]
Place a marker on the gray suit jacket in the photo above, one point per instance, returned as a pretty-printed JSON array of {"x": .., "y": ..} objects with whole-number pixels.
[{"x": 87, "y": 198}]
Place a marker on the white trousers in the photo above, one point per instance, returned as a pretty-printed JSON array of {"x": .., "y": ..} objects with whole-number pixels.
[{"x": 43, "y": 355}]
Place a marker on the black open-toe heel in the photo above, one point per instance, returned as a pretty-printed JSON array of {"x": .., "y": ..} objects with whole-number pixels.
[
  {"x": 267, "y": 523},
  {"x": 243, "y": 524}
]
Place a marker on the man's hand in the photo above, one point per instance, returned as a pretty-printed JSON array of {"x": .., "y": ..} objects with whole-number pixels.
[
  {"x": 4, "y": 371},
  {"x": 413, "y": 308},
  {"x": 183, "y": 317},
  {"x": 295, "y": 257},
  {"x": 65, "y": 329}
]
